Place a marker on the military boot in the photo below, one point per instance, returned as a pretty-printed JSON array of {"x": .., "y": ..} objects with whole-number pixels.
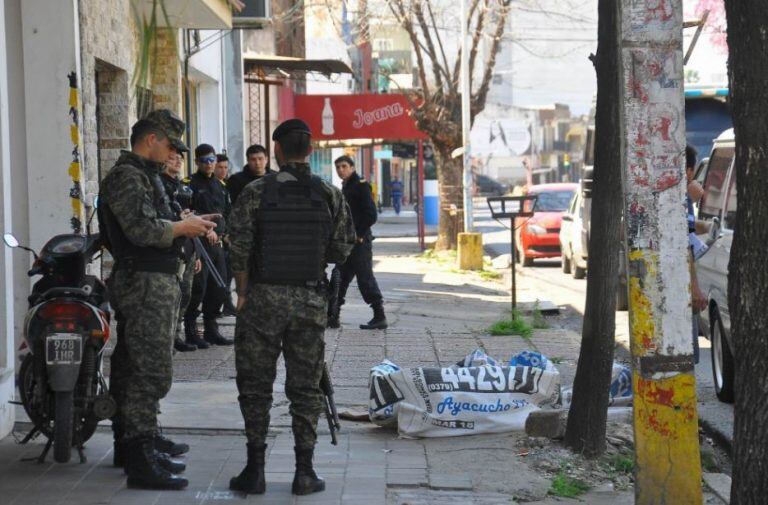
[
  {"x": 163, "y": 459},
  {"x": 379, "y": 321},
  {"x": 144, "y": 470},
  {"x": 211, "y": 333},
  {"x": 181, "y": 346},
  {"x": 118, "y": 452},
  {"x": 306, "y": 480},
  {"x": 334, "y": 318},
  {"x": 168, "y": 446},
  {"x": 251, "y": 479},
  {"x": 192, "y": 336}
]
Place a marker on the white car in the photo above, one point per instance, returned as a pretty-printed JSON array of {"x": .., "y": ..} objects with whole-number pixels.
[
  {"x": 719, "y": 206},
  {"x": 574, "y": 234}
]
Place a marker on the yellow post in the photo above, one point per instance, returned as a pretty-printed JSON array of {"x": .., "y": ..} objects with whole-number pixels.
[
  {"x": 667, "y": 459},
  {"x": 470, "y": 251}
]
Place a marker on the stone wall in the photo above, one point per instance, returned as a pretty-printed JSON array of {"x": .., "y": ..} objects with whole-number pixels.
[
  {"x": 166, "y": 83},
  {"x": 107, "y": 47}
]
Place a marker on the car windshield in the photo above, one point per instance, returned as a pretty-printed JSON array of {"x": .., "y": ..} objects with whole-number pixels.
[{"x": 553, "y": 201}]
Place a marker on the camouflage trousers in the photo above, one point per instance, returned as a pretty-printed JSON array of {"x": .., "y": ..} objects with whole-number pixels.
[
  {"x": 146, "y": 306},
  {"x": 186, "y": 287},
  {"x": 290, "y": 320}
]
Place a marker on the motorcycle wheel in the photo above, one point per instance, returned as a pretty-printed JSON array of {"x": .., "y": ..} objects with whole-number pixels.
[
  {"x": 27, "y": 394},
  {"x": 62, "y": 426}
]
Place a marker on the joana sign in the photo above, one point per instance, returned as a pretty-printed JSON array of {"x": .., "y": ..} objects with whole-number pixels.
[{"x": 338, "y": 117}]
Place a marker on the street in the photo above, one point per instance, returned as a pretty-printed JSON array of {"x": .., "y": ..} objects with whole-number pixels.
[
  {"x": 547, "y": 280},
  {"x": 437, "y": 315}
]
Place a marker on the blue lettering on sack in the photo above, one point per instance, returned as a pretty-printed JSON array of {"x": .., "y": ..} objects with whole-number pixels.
[{"x": 454, "y": 408}]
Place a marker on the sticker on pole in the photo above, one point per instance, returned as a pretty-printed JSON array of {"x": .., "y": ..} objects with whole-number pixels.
[{"x": 461, "y": 400}]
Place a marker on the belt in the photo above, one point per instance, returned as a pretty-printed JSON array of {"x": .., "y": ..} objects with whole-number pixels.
[
  {"x": 164, "y": 266},
  {"x": 302, "y": 284}
]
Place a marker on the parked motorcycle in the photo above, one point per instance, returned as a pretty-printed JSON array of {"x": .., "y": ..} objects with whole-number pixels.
[{"x": 66, "y": 330}]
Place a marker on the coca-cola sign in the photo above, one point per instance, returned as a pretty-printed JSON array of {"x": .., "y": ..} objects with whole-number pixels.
[{"x": 338, "y": 117}]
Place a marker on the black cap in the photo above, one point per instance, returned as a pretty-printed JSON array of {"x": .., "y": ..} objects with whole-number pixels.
[
  {"x": 171, "y": 124},
  {"x": 292, "y": 125}
]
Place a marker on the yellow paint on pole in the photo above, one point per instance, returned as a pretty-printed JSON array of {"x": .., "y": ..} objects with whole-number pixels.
[
  {"x": 667, "y": 466},
  {"x": 470, "y": 251},
  {"x": 667, "y": 459}
]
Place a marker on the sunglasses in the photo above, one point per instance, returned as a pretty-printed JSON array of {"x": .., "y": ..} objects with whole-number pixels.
[{"x": 207, "y": 159}]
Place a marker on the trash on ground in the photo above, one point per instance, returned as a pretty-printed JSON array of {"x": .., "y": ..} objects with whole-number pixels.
[
  {"x": 484, "y": 397},
  {"x": 620, "y": 392}
]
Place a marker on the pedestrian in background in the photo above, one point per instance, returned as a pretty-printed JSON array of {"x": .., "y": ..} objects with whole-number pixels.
[
  {"x": 359, "y": 196},
  {"x": 694, "y": 193},
  {"x": 221, "y": 172},
  {"x": 139, "y": 230},
  {"x": 180, "y": 197},
  {"x": 210, "y": 196},
  {"x": 255, "y": 168},
  {"x": 396, "y": 191},
  {"x": 286, "y": 227}
]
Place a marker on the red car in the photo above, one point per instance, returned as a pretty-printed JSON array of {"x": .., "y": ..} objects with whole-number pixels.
[{"x": 539, "y": 236}]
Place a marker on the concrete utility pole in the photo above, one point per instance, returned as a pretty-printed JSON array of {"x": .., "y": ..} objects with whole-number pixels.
[
  {"x": 466, "y": 117},
  {"x": 667, "y": 461}
]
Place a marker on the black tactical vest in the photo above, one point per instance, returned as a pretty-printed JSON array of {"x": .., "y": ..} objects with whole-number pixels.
[
  {"x": 293, "y": 230},
  {"x": 131, "y": 256}
]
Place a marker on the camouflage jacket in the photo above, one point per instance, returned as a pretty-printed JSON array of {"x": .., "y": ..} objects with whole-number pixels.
[
  {"x": 243, "y": 222},
  {"x": 130, "y": 193}
]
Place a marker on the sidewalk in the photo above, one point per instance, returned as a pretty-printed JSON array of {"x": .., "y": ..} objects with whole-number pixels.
[{"x": 437, "y": 316}]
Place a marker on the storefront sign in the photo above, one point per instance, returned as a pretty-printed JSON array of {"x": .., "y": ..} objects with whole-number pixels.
[{"x": 339, "y": 117}]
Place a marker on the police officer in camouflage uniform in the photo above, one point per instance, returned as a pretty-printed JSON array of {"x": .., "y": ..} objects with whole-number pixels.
[
  {"x": 285, "y": 228},
  {"x": 138, "y": 228}
]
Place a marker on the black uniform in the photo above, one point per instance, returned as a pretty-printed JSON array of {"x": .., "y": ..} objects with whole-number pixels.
[
  {"x": 359, "y": 264},
  {"x": 210, "y": 196},
  {"x": 237, "y": 182},
  {"x": 180, "y": 196}
]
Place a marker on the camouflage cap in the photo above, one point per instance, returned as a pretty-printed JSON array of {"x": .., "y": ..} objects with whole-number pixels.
[{"x": 171, "y": 125}]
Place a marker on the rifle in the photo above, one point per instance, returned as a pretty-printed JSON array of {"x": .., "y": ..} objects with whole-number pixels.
[
  {"x": 203, "y": 253},
  {"x": 330, "y": 406},
  {"x": 209, "y": 263}
]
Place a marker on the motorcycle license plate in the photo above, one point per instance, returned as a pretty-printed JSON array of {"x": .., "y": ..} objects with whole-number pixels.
[{"x": 64, "y": 349}]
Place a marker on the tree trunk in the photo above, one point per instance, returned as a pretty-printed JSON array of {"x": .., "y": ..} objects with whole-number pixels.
[
  {"x": 585, "y": 432},
  {"x": 450, "y": 182},
  {"x": 747, "y": 273}
]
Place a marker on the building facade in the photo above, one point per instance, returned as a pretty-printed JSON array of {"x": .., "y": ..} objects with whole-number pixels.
[{"x": 67, "y": 99}]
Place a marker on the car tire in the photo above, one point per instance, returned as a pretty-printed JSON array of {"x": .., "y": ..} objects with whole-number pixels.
[
  {"x": 526, "y": 261},
  {"x": 722, "y": 360},
  {"x": 576, "y": 271},
  {"x": 565, "y": 263}
]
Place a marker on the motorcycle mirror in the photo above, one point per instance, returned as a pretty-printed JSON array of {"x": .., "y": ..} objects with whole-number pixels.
[
  {"x": 10, "y": 240},
  {"x": 96, "y": 202}
]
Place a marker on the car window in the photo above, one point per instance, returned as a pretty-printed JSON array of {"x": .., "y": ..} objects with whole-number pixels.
[
  {"x": 553, "y": 201},
  {"x": 729, "y": 217},
  {"x": 714, "y": 185}
]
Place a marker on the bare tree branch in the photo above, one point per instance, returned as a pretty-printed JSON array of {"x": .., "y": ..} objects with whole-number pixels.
[
  {"x": 457, "y": 64},
  {"x": 436, "y": 67},
  {"x": 478, "y": 100},
  {"x": 398, "y": 9},
  {"x": 479, "y": 26},
  {"x": 451, "y": 81}
]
